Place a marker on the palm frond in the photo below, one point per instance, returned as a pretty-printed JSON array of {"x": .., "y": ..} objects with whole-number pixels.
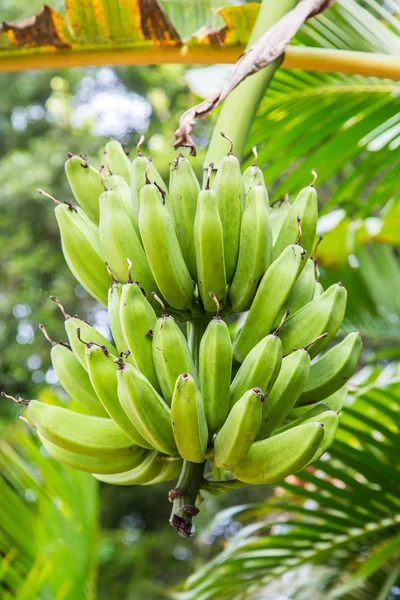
[
  {"x": 344, "y": 513},
  {"x": 373, "y": 283},
  {"x": 345, "y": 127},
  {"x": 48, "y": 528}
]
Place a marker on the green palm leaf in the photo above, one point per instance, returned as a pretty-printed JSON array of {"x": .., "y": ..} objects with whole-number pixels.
[
  {"x": 48, "y": 529},
  {"x": 344, "y": 513},
  {"x": 345, "y": 127}
]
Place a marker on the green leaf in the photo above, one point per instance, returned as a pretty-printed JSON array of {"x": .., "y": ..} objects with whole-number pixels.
[{"x": 381, "y": 555}]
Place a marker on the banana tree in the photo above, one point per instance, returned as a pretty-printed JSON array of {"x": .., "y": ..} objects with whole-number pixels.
[{"x": 247, "y": 95}]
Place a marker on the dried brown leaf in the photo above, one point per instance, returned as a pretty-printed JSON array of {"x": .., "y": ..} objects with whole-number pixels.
[{"x": 270, "y": 46}]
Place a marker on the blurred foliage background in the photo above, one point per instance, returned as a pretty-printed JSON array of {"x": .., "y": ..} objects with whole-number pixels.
[{"x": 44, "y": 115}]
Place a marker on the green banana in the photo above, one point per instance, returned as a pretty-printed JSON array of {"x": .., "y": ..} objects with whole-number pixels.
[
  {"x": 162, "y": 249},
  {"x": 307, "y": 416},
  {"x": 189, "y": 420},
  {"x": 277, "y": 457},
  {"x": 270, "y": 300},
  {"x": 329, "y": 373},
  {"x": 239, "y": 431},
  {"x": 113, "y": 310},
  {"x": 305, "y": 210},
  {"x": 254, "y": 249},
  {"x": 229, "y": 189},
  {"x": 259, "y": 369},
  {"x": 146, "y": 409},
  {"x": 171, "y": 467},
  {"x": 184, "y": 189},
  {"x": 171, "y": 354},
  {"x": 73, "y": 377},
  {"x": 138, "y": 320},
  {"x": 215, "y": 369},
  {"x": 84, "y": 434},
  {"x": 119, "y": 186},
  {"x": 103, "y": 376},
  {"x": 302, "y": 291},
  {"x": 77, "y": 329},
  {"x": 119, "y": 241},
  {"x": 142, "y": 474},
  {"x": 323, "y": 315},
  {"x": 142, "y": 169},
  {"x": 85, "y": 184},
  {"x": 318, "y": 290},
  {"x": 285, "y": 391},
  {"x": 94, "y": 464},
  {"x": 209, "y": 247},
  {"x": 337, "y": 400},
  {"x": 334, "y": 402},
  {"x": 117, "y": 160},
  {"x": 82, "y": 251},
  {"x": 330, "y": 421},
  {"x": 254, "y": 176},
  {"x": 277, "y": 213}
]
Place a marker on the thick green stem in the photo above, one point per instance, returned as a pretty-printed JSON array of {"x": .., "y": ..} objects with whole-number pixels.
[
  {"x": 184, "y": 497},
  {"x": 239, "y": 108}
]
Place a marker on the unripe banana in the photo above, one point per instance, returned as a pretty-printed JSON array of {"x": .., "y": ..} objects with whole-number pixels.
[
  {"x": 117, "y": 160},
  {"x": 260, "y": 368},
  {"x": 332, "y": 370},
  {"x": 183, "y": 191},
  {"x": 171, "y": 467},
  {"x": 279, "y": 456},
  {"x": 103, "y": 376},
  {"x": 119, "y": 186},
  {"x": 82, "y": 251},
  {"x": 73, "y": 377},
  {"x": 305, "y": 210},
  {"x": 215, "y": 369},
  {"x": 138, "y": 320},
  {"x": 209, "y": 247},
  {"x": 254, "y": 250},
  {"x": 285, "y": 391},
  {"x": 80, "y": 332},
  {"x": 307, "y": 416},
  {"x": 189, "y": 420},
  {"x": 318, "y": 290},
  {"x": 253, "y": 176},
  {"x": 323, "y": 315},
  {"x": 85, "y": 184},
  {"x": 119, "y": 241},
  {"x": 142, "y": 169},
  {"x": 302, "y": 291},
  {"x": 113, "y": 310},
  {"x": 277, "y": 214},
  {"x": 84, "y": 434},
  {"x": 140, "y": 475},
  {"x": 229, "y": 189},
  {"x": 239, "y": 431},
  {"x": 320, "y": 413},
  {"x": 334, "y": 402},
  {"x": 171, "y": 355},
  {"x": 95, "y": 464},
  {"x": 270, "y": 300},
  {"x": 330, "y": 421},
  {"x": 146, "y": 409},
  {"x": 162, "y": 249}
]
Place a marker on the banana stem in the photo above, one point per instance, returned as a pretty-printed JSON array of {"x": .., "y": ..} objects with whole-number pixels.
[
  {"x": 218, "y": 474},
  {"x": 184, "y": 497},
  {"x": 239, "y": 109}
]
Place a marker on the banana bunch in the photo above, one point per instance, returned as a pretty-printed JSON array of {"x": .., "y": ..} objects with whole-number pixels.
[{"x": 157, "y": 403}]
